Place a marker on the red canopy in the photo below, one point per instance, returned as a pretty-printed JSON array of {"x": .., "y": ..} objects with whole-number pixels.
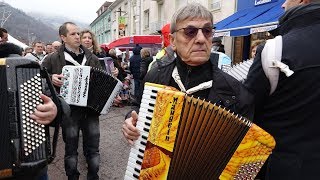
[{"x": 142, "y": 40}]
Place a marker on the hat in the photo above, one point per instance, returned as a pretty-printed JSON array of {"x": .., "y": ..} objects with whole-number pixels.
[{"x": 165, "y": 29}]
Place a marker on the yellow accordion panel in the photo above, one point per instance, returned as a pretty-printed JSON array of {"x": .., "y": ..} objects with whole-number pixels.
[{"x": 250, "y": 155}]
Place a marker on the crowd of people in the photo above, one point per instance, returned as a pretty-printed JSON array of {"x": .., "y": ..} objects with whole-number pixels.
[{"x": 191, "y": 53}]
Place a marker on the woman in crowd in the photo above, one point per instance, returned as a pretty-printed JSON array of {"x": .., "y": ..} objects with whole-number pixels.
[
  {"x": 88, "y": 40},
  {"x": 146, "y": 59}
]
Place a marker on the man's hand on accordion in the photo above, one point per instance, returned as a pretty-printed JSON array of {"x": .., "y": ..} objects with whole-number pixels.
[
  {"x": 56, "y": 79},
  {"x": 46, "y": 112},
  {"x": 129, "y": 129}
]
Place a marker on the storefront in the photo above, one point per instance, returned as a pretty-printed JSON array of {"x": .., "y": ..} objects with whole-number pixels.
[{"x": 251, "y": 23}]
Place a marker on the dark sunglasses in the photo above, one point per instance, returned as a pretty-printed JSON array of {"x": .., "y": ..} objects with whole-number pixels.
[{"x": 191, "y": 31}]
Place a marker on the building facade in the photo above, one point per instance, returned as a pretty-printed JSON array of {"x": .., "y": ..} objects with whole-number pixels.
[{"x": 143, "y": 17}]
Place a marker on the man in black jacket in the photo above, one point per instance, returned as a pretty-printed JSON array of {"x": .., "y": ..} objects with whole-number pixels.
[
  {"x": 71, "y": 53},
  {"x": 191, "y": 39},
  {"x": 289, "y": 114}
]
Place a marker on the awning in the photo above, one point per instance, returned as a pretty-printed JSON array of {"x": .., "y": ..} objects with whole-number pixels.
[
  {"x": 256, "y": 19},
  {"x": 131, "y": 41}
]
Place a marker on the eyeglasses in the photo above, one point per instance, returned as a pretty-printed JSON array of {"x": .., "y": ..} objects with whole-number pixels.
[{"x": 191, "y": 31}]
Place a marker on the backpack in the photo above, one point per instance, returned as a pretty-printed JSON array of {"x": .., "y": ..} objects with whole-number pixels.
[{"x": 271, "y": 62}]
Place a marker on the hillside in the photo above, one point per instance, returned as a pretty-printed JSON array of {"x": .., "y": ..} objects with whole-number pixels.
[
  {"x": 31, "y": 27},
  {"x": 55, "y": 21}
]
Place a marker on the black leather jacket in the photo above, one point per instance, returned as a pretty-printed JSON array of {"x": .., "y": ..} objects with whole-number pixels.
[{"x": 225, "y": 91}]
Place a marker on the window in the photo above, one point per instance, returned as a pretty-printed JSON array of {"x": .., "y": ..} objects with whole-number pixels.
[
  {"x": 214, "y": 5},
  {"x": 146, "y": 19}
]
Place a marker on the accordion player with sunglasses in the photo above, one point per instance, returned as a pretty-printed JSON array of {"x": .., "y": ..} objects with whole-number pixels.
[
  {"x": 25, "y": 144},
  {"x": 188, "y": 138},
  {"x": 89, "y": 87}
]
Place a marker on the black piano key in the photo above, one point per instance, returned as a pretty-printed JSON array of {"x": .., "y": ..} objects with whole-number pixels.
[
  {"x": 144, "y": 137},
  {"x": 138, "y": 162},
  {"x": 150, "y": 110},
  {"x": 151, "y": 104},
  {"x": 149, "y": 118},
  {"x": 146, "y": 123},
  {"x": 153, "y": 97},
  {"x": 142, "y": 151},
  {"x": 154, "y": 91},
  {"x": 146, "y": 130},
  {"x": 143, "y": 143},
  {"x": 136, "y": 176},
  {"x": 139, "y": 156},
  {"x": 137, "y": 170}
]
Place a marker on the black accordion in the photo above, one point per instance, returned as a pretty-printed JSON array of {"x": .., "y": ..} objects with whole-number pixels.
[
  {"x": 90, "y": 87},
  {"x": 25, "y": 144}
]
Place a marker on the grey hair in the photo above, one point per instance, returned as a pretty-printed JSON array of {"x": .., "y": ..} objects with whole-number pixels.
[{"x": 190, "y": 11}]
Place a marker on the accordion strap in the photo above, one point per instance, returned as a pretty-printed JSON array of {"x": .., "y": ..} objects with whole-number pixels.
[
  {"x": 69, "y": 58},
  {"x": 177, "y": 79}
]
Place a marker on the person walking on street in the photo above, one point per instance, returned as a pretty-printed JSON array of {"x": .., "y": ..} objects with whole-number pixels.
[{"x": 82, "y": 118}]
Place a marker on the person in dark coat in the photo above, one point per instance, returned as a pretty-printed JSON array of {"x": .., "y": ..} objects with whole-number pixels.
[
  {"x": 195, "y": 65},
  {"x": 290, "y": 113},
  {"x": 146, "y": 60},
  {"x": 135, "y": 62}
]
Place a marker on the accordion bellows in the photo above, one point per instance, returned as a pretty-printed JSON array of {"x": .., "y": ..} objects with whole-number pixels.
[
  {"x": 89, "y": 87},
  {"x": 191, "y": 138}
]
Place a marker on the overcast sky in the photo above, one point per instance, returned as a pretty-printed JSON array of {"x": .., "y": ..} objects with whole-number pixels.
[{"x": 81, "y": 10}]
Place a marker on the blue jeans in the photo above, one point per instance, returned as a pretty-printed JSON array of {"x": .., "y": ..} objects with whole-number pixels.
[{"x": 88, "y": 122}]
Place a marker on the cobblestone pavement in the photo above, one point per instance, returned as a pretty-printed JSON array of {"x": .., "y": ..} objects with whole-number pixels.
[{"x": 114, "y": 149}]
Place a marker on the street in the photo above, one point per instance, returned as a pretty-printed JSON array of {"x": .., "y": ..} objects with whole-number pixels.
[{"x": 114, "y": 149}]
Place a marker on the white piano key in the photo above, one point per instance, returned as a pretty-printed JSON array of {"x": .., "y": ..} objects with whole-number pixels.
[
  {"x": 130, "y": 174},
  {"x": 144, "y": 110},
  {"x": 133, "y": 165},
  {"x": 144, "y": 123},
  {"x": 135, "y": 161},
  {"x": 145, "y": 115},
  {"x": 136, "y": 156},
  {"x": 152, "y": 88},
  {"x": 136, "y": 151},
  {"x": 126, "y": 177},
  {"x": 134, "y": 171}
]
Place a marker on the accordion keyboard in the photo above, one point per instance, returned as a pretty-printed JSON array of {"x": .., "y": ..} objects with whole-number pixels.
[
  {"x": 143, "y": 124},
  {"x": 33, "y": 134},
  {"x": 240, "y": 71}
]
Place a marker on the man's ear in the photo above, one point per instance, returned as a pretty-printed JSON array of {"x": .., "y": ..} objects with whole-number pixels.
[
  {"x": 305, "y": 2},
  {"x": 62, "y": 37},
  {"x": 172, "y": 41}
]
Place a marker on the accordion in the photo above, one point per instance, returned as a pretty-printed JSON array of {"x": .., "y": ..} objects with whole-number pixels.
[
  {"x": 187, "y": 138},
  {"x": 240, "y": 71},
  {"x": 25, "y": 144},
  {"x": 89, "y": 87}
]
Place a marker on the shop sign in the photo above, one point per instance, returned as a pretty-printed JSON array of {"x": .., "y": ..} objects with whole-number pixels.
[
  {"x": 219, "y": 34},
  {"x": 263, "y": 29},
  {"x": 260, "y": 2}
]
